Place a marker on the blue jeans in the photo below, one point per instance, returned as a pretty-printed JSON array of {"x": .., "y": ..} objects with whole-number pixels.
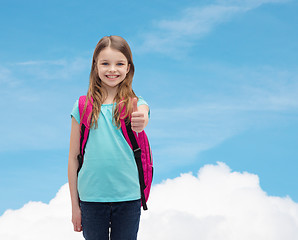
[{"x": 120, "y": 220}]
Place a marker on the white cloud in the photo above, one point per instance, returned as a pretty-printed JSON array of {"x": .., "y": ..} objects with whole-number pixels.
[
  {"x": 218, "y": 204},
  {"x": 215, "y": 204},
  {"x": 37, "y": 220},
  {"x": 193, "y": 24}
]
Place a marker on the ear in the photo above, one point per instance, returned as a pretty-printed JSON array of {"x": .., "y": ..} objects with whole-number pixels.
[{"x": 128, "y": 68}]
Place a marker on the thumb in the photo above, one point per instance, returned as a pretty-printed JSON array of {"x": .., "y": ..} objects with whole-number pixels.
[{"x": 134, "y": 105}]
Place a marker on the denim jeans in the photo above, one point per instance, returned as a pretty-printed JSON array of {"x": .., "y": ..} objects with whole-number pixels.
[{"x": 119, "y": 220}]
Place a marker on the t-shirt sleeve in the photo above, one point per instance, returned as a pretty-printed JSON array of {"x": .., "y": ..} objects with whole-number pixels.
[
  {"x": 141, "y": 101},
  {"x": 75, "y": 111}
]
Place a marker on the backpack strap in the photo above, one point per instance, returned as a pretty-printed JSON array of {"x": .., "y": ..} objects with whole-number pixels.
[
  {"x": 131, "y": 138},
  {"x": 84, "y": 129}
]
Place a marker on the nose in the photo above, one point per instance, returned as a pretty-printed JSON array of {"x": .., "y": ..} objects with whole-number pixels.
[{"x": 112, "y": 68}]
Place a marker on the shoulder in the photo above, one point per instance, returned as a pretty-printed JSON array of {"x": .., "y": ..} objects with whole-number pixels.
[
  {"x": 75, "y": 111},
  {"x": 143, "y": 105},
  {"x": 76, "y": 105},
  {"x": 141, "y": 101}
]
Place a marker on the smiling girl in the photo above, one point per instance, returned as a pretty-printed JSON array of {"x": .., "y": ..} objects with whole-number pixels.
[{"x": 105, "y": 194}]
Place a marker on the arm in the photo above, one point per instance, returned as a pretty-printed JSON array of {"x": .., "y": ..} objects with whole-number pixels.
[
  {"x": 139, "y": 117},
  {"x": 74, "y": 150}
]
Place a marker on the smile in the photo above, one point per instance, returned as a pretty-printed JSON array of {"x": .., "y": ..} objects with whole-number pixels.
[{"x": 112, "y": 76}]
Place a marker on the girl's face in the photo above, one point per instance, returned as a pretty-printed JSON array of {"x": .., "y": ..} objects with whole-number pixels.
[{"x": 112, "y": 67}]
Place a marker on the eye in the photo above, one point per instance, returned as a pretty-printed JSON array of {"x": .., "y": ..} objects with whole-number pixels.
[
  {"x": 104, "y": 63},
  {"x": 120, "y": 64}
]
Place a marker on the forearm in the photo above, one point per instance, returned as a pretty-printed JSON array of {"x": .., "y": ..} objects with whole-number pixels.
[
  {"x": 73, "y": 163},
  {"x": 72, "y": 181}
]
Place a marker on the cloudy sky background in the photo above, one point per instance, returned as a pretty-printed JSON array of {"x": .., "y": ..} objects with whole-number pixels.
[{"x": 221, "y": 81}]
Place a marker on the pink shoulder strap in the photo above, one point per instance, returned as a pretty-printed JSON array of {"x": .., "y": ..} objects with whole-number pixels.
[
  {"x": 84, "y": 123},
  {"x": 82, "y": 101}
]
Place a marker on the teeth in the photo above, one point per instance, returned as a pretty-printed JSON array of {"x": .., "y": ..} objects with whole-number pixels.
[{"x": 112, "y": 76}]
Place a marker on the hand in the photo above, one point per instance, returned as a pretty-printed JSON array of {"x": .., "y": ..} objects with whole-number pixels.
[
  {"x": 137, "y": 118},
  {"x": 77, "y": 219}
]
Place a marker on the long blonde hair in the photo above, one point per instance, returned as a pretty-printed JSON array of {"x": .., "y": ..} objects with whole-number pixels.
[{"x": 97, "y": 93}]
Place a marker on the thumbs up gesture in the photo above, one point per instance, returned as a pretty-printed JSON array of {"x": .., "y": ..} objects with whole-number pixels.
[{"x": 139, "y": 116}]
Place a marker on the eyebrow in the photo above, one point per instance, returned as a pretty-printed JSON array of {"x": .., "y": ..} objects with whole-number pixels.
[{"x": 104, "y": 60}]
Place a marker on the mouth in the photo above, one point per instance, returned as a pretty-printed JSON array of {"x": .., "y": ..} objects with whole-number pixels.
[{"x": 112, "y": 76}]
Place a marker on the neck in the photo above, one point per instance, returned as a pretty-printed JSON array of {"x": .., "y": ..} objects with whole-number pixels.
[{"x": 112, "y": 92}]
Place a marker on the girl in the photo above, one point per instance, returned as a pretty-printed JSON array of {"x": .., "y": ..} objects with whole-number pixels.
[{"x": 105, "y": 196}]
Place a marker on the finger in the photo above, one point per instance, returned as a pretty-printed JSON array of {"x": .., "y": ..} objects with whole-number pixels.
[
  {"x": 74, "y": 225},
  {"x": 134, "y": 105},
  {"x": 137, "y": 129},
  {"x": 79, "y": 224},
  {"x": 138, "y": 115},
  {"x": 78, "y": 229},
  {"x": 137, "y": 121},
  {"x": 136, "y": 124}
]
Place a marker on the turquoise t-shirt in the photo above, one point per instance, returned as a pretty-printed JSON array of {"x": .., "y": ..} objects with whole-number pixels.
[{"x": 109, "y": 172}]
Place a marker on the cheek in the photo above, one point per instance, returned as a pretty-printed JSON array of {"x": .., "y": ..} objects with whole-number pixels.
[{"x": 100, "y": 72}]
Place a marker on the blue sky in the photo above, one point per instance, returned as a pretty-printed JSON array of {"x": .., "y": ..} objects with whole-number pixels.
[{"x": 220, "y": 78}]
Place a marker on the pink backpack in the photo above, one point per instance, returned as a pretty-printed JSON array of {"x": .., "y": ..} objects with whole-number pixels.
[{"x": 137, "y": 141}]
